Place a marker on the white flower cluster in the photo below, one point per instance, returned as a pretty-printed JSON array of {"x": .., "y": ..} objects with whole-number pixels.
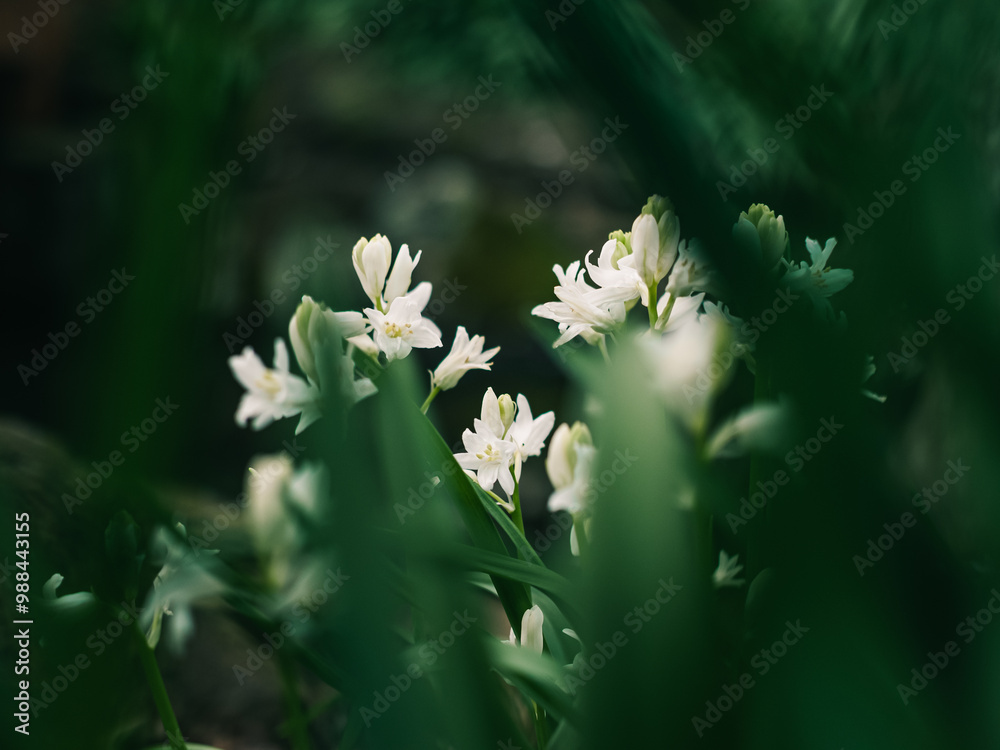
[
  {"x": 323, "y": 342},
  {"x": 632, "y": 265}
]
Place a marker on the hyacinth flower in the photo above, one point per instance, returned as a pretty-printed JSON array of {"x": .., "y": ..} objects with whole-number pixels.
[
  {"x": 273, "y": 393},
  {"x": 466, "y": 354}
]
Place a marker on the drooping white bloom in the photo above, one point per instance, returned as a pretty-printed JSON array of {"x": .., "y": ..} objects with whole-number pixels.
[
  {"x": 280, "y": 499},
  {"x": 273, "y": 393},
  {"x": 527, "y": 434},
  {"x": 488, "y": 452},
  {"x": 401, "y": 329},
  {"x": 531, "y": 630},
  {"x": 692, "y": 272},
  {"x": 816, "y": 278},
  {"x": 725, "y": 574},
  {"x": 569, "y": 463},
  {"x": 181, "y": 582},
  {"x": 762, "y": 426},
  {"x": 81, "y": 601},
  {"x": 682, "y": 368},
  {"x": 466, "y": 354},
  {"x": 763, "y": 233},
  {"x": 582, "y": 310}
]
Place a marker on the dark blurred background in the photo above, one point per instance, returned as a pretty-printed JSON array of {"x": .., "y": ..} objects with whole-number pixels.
[{"x": 362, "y": 86}]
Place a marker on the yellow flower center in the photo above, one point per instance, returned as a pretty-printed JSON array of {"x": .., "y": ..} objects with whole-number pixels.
[{"x": 394, "y": 331}]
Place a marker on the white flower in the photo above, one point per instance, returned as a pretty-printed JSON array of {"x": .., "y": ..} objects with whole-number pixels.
[
  {"x": 351, "y": 388},
  {"x": 725, "y": 574},
  {"x": 762, "y": 232},
  {"x": 683, "y": 309},
  {"x": 403, "y": 328},
  {"x": 280, "y": 500},
  {"x": 692, "y": 271},
  {"x": 683, "y": 368},
  {"x": 466, "y": 354},
  {"x": 614, "y": 271},
  {"x": 81, "y": 601},
  {"x": 273, "y": 393},
  {"x": 315, "y": 330},
  {"x": 582, "y": 310},
  {"x": 816, "y": 278},
  {"x": 527, "y": 434},
  {"x": 180, "y": 583},
  {"x": 531, "y": 630},
  {"x": 487, "y": 452},
  {"x": 653, "y": 250},
  {"x": 568, "y": 464},
  {"x": 762, "y": 426},
  {"x": 371, "y": 262}
]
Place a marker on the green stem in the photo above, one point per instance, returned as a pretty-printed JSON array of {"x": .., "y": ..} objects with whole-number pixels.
[
  {"x": 516, "y": 515},
  {"x": 756, "y": 531},
  {"x": 652, "y": 305},
  {"x": 430, "y": 397},
  {"x": 541, "y": 725},
  {"x": 297, "y": 723},
  {"x": 159, "y": 690},
  {"x": 670, "y": 307}
]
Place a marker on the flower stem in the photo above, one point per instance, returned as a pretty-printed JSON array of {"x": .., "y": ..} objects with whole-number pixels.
[
  {"x": 296, "y": 724},
  {"x": 652, "y": 305},
  {"x": 669, "y": 309},
  {"x": 541, "y": 726},
  {"x": 159, "y": 690},
  {"x": 516, "y": 515},
  {"x": 430, "y": 398}
]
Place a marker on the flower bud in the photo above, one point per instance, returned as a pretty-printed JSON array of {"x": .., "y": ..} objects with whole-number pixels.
[
  {"x": 560, "y": 463},
  {"x": 655, "y": 251},
  {"x": 531, "y": 629},
  {"x": 759, "y": 228},
  {"x": 507, "y": 411},
  {"x": 371, "y": 263}
]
